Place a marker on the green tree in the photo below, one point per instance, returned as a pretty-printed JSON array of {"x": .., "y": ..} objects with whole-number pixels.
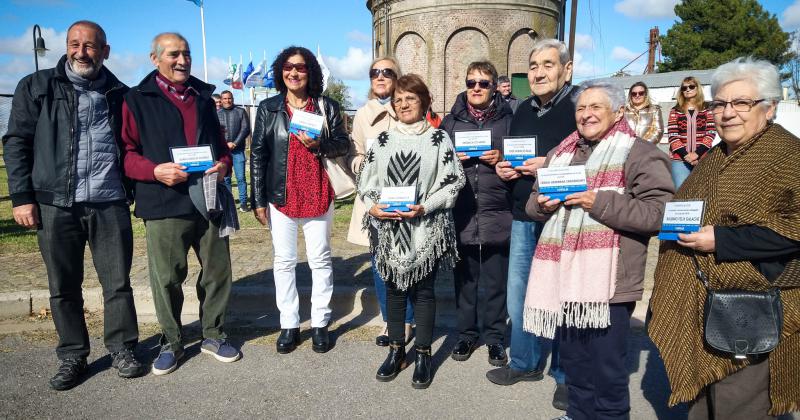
[
  {"x": 338, "y": 91},
  {"x": 713, "y": 32}
]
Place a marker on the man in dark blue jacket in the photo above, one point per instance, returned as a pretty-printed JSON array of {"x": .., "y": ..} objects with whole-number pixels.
[
  {"x": 62, "y": 153},
  {"x": 236, "y": 125}
]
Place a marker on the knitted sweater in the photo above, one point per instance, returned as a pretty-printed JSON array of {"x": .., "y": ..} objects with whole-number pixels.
[
  {"x": 410, "y": 249},
  {"x": 679, "y": 142}
]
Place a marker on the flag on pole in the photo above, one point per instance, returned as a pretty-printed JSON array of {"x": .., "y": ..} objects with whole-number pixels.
[
  {"x": 199, "y": 3},
  {"x": 247, "y": 71},
  {"x": 325, "y": 72},
  {"x": 256, "y": 77},
  {"x": 231, "y": 74},
  {"x": 269, "y": 80},
  {"x": 236, "y": 83}
]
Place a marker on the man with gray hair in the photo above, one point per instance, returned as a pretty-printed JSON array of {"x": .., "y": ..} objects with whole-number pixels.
[
  {"x": 168, "y": 115},
  {"x": 62, "y": 152},
  {"x": 548, "y": 115}
]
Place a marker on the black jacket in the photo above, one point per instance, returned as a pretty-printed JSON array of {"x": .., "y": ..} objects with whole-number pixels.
[
  {"x": 483, "y": 208},
  {"x": 39, "y": 146},
  {"x": 160, "y": 127},
  {"x": 269, "y": 150}
]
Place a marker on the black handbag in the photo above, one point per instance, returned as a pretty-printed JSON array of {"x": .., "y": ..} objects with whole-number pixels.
[{"x": 741, "y": 323}]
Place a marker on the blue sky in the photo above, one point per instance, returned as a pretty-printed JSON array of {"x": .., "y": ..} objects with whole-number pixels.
[{"x": 610, "y": 33}]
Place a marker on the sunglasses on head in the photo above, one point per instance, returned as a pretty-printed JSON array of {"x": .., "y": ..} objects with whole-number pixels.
[
  {"x": 387, "y": 72},
  {"x": 484, "y": 84},
  {"x": 300, "y": 67},
  {"x": 638, "y": 93},
  {"x": 684, "y": 88}
]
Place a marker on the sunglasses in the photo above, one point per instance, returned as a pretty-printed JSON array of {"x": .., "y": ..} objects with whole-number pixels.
[
  {"x": 684, "y": 88},
  {"x": 300, "y": 67},
  {"x": 388, "y": 73},
  {"x": 484, "y": 84},
  {"x": 638, "y": 93}
]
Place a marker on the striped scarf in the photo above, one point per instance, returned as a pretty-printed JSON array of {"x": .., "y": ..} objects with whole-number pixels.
[{"x": 575, "y": 264}]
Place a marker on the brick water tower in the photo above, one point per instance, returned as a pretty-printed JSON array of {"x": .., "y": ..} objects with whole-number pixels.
[{"x": 437, "y": 39}]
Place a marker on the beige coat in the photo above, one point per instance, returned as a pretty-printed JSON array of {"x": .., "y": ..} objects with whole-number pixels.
[{"x": 370, "y": 120}]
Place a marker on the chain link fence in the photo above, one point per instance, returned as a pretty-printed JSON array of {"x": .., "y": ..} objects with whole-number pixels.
[{"x": 5, "y": 111}]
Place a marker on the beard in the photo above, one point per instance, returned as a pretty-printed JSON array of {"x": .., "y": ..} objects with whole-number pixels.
[{"x": 88, "y": 69}]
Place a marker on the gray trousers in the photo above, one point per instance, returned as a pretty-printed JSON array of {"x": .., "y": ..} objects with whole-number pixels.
[
  {"x": 62, "y": 237},
  {"x": 743, "y": 395}
]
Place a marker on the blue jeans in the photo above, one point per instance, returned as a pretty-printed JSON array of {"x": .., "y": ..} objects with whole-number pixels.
[
  {"x": 241, "y": 181},
  {"x": 380, "y": 293},
  {"x": 526, "y": 348},
  {"x": 680, "y": 171}
]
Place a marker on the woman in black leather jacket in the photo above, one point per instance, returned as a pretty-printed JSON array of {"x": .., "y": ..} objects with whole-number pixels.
[{"x": 291, "y": 190}]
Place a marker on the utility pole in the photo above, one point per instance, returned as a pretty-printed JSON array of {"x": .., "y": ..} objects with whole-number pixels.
[
  {"x": 651, "y": 52},
  {"x": 572, "y": 29}
]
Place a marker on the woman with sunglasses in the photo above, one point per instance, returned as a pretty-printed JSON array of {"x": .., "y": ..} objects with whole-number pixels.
[
  {"x": 291, "y": 190},
  {"x": 643, "y": 116},
  {"x": 482, "y": 216},
  {"x": 690, "y": 130},
  {"x": 375, "y": 117},
  {"x": 411, "y": 163}
]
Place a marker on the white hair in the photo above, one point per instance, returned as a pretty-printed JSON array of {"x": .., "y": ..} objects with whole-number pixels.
[
  {"x": 761, "y": 73},
  {"x": 547, "y": 43},
  {"x": 615, "y": 93},
  {"x": 155, "y": 46}
]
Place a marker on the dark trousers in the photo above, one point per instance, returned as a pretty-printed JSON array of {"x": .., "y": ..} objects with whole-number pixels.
[
  {"x": 168, "y": 242},
  {"x": 424, "y": 299},
  {"x": 486, "y": 267},
  {"x": 739, "y": 396},
  {"x": 594, "y": 361},
  {"x": 62, "y": 239}
]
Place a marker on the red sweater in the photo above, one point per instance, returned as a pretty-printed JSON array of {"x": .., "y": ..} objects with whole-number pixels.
[
  {"x": 138, "y": 167},
  {"x": 677, "y": 125}
]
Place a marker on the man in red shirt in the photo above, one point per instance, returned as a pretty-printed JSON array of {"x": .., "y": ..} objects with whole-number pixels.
[{"x": 169, "y": 110}]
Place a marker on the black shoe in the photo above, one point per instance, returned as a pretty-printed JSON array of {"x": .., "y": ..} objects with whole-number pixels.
[
  {"x": 394, "y": 363},
  {"x": 423, "y": 373},
  {"x": 560, "y": 397},
  {"x": 126, "y": 364},
  {"x": 497, "y": 354},
  {"x": 463, "y": 350},
  {"x": 69, "y": 374},
  {"x": 288, "y": 340},
  {"x": 507, "y": 376},
  {"x": 319, "y": 339},
  {"x": 244, "y": 209},
  {"x": 382, "y": 340}
]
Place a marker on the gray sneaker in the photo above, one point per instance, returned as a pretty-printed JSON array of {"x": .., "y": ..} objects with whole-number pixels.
[
  {"x": 507, "y": 376},
  {"x": 126, "y": 364}
]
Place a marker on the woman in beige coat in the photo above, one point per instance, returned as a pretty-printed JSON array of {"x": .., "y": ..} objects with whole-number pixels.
[{"x": 375, "y": 117}]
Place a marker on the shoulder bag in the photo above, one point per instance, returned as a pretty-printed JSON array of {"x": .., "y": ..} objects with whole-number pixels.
[{"x": 341, "y": 178}]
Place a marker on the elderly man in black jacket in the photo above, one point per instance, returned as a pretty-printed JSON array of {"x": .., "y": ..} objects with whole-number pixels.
[{"x": 62, "y": 154}]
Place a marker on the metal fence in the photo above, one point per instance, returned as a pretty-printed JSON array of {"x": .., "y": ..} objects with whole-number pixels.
[{"x": 5, "y": 111}]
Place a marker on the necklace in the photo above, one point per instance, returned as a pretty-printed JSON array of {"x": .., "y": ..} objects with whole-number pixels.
[{"x": 303, "y": 106}]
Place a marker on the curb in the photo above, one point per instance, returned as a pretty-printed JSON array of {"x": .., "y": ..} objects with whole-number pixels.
[{"x": 255, "y": 305}]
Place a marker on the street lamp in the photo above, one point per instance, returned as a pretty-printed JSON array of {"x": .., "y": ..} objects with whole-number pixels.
[{"x": 38, "y": 45}]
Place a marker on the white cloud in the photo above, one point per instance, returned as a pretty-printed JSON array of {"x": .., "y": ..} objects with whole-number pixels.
[
  {"x": 623, "y": 54},
  {"x": 647, "y": 8},
  {"x": 584, "y": 42},
  {"x": 790, "y": 19},
  {"x": 353, "y": 66},
  {"x": 583, "y": 69},
  {"x": 358, "y": 36}
]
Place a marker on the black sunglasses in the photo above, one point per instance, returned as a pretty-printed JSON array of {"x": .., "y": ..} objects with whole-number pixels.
[
  {"x": 300, "y": 67},
  {"x": 484, "y": 84},
  {"x": 684, "y": 88},
  {"x": 387, "y": 72}
]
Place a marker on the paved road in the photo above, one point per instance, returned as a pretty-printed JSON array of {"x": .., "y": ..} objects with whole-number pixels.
[{"x": 304, "y": 384}]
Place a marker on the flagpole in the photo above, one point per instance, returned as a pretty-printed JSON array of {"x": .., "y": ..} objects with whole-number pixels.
[
  {"x": 240, "y": 77},
  {"x": 203, "y": 29}
]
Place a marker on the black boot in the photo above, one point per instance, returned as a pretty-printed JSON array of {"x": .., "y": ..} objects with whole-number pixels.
[
  {"x": 288, "y": 340},
  {"x": 394, "y": 363},
  {"x": 422, "y": 368}
]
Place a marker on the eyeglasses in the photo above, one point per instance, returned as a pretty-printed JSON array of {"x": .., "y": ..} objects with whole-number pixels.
[
  {"x": 300, "y": 67},
  {"x": 484, "y": 84},
  {"x": 684, "y": 88},
  {"x": 739, "y": 105},
  {"x": 389, "y": 73},
  {"x": 638, "y": 93},
  {"x": 411, "y": 100}
]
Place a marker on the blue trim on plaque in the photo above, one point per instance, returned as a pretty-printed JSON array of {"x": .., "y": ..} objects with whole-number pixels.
[
  {"x": 518, "y": 160},
  {"x": 561, "y": 192},
  {"x": 473, "y": 151},
  {"x": 398, "y": 206}
]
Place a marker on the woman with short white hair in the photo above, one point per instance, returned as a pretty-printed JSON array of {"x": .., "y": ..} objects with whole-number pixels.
[
  {"x": 749, "y": 242},
  {"x": 589, "y": 262}
]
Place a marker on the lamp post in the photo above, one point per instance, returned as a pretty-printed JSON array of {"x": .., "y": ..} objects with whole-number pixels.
[{"x": 38, "y": 46}]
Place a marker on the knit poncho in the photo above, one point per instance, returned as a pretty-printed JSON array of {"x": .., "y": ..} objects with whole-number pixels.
[
  {"x": 410, "y": 249},
  {"x": 757, "y": 184}
]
